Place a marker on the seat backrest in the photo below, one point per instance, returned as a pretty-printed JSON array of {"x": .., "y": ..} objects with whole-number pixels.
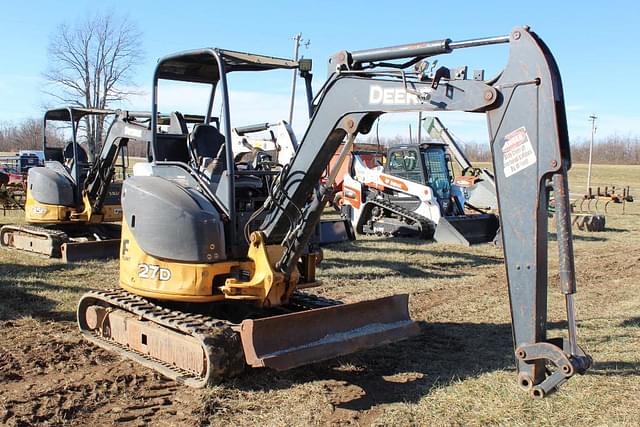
[
  {"x": 81, "y": 152},
  {"x": 205, "y": 141},
  {"x": 171, "y": 147},
  {"x": 177, "y": 124}
]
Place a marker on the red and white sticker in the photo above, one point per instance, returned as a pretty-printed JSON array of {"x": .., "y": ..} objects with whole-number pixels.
[{"x": 517, "y": 152}]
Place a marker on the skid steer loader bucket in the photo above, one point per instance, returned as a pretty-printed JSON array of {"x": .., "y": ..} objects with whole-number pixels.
[
  {"x": 467, "y": 230},
  {"x": 291, "y": 340},
  {"x": 335, "y": 231}
]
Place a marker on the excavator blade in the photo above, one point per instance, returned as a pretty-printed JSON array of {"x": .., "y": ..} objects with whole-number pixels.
[
  {"x": 291, "y": 340},
  {"x": 467, "y": 230},
  {"x": 98, "y": 249}
]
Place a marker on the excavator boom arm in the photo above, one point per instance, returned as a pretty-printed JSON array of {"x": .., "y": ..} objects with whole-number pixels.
[
  {"x": 123, "y": 128},
  {"x": 529, "y": 140}
]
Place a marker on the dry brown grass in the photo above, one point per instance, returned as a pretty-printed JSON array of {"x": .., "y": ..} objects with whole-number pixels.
[{"x": 460, "y": 371}]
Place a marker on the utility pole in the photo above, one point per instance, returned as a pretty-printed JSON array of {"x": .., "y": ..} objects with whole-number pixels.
[
  {"x": 298, "y": 40},
  {"x": 593, "y": 119}
]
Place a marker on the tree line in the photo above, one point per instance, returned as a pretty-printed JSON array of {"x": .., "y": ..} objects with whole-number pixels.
[
  {"x": 27, "y": 135},
  {"x": 612, "y": 149}
]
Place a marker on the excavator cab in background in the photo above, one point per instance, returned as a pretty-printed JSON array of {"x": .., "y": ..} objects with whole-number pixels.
[
  {"x": 212, "y": 255},
  {"x": 73, "y": 207}
]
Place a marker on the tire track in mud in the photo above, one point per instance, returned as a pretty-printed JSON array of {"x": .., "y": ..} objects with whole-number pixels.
[{"x": 48, "y": 374}]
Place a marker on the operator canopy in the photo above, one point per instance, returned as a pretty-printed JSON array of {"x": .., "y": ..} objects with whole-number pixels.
[
  {"x": 201, "y": 65},
  {"x": 64, "y": 114}
]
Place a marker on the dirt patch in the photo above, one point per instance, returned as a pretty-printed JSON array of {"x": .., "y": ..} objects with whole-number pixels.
[{"x": 50, "y": 375}]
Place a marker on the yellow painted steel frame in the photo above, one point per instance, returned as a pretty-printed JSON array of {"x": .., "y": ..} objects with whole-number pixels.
[
  {"x": 41, "y": 213},
  {"x": 87, "y": 214},
  {"x": 162, "y": 279},
  {"x": 267, "y": 285},
  {"x": 111, "y": 213}
]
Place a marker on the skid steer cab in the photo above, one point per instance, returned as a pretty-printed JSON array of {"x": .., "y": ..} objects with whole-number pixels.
[{"x": 413, "y": 193}]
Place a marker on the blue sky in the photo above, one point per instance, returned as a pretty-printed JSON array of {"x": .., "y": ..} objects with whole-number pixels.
[{"x": 594, "y": 42}]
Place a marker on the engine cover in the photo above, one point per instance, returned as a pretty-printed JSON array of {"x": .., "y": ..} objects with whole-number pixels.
[
  {"x": 171, "y": 221},
  {"x": 50, "y": 187}
]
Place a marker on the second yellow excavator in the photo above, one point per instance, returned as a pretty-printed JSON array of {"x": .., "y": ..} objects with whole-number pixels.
[{"x": 72, "y": 208}]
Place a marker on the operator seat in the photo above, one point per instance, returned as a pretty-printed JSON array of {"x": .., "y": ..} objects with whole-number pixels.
[
  {"x": 207, "y": 147},
  {"x": 82, "y": 163},
  {"x": 204, "y": 143},
  {"x": 68, "y": 153}
]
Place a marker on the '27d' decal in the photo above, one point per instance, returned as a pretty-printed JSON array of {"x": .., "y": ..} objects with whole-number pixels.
[{"x": 153, "y": 272}]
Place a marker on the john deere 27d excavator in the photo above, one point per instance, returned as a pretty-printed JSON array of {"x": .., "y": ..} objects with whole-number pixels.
[
  {"x": 198, "y": 301},
  {"x": 73, "y": 207}
]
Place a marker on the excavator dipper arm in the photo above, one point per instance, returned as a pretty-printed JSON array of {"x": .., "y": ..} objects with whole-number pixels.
[
  {"x": 528, "y": 134},
  {"x": 531, "y": 157}
]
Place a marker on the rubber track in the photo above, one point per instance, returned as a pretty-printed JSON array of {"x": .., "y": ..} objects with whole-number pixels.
[
  {"x": 427, "y": 227},
  {"x": 56, "y": 237},
  {"x": 219, "y": 340}
]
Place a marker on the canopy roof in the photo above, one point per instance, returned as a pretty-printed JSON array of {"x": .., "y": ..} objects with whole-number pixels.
[
  {"x": 201, "y": 65},
  {"x": 64, "y": 113}
]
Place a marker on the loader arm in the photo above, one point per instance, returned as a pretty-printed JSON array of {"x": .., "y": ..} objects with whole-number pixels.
[{"x": 528, "y": 135}]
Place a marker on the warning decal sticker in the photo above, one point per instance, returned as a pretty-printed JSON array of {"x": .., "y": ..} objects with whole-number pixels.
[{"x": 517, "y": 152}]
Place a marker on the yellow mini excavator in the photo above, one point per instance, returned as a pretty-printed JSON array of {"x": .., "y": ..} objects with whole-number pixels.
[
  {"x": 214, "y": 252},
  {"x": 73, "y": 206}
]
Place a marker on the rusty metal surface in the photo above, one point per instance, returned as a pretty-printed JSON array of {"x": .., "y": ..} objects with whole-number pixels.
[
  {"x": 290, "y": 340},
  {"x": 31, "y": 238},
  {"x": 99, "y": 249},
  {"x": 160, "y": 343},
  {"x": 220, "y": 348}
]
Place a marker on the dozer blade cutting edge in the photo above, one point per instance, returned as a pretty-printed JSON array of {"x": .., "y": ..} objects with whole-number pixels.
[
  {"x": 292, "y": 340},
  {"x": 98, "y": 249}
]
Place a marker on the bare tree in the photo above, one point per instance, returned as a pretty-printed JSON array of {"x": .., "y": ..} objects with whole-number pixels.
[
  {"x": 26, "y": 135},
  {"x": 91, "y": 64}
]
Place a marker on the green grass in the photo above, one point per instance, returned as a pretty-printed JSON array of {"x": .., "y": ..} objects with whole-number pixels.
[{"x": 43, "y": 288}]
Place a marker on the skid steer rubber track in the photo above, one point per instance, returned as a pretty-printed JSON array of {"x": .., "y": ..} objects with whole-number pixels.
[
  {"x": 427, "y": 228},
  {"x": 35, "y": 239}
]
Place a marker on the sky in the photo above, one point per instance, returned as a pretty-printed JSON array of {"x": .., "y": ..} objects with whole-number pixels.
[{"x": 595, "y": 44}]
